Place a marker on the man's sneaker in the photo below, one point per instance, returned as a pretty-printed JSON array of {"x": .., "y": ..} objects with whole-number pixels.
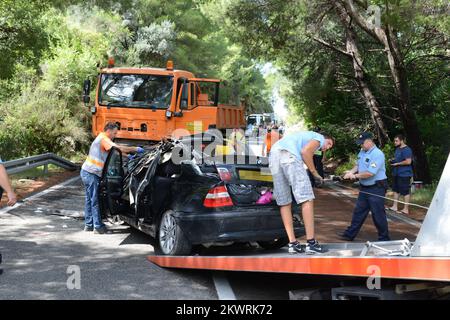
[
  {"x": 86, "y": 228},
  {"x": 295, "y": 247},
  {"x": 313, "y": 248},
  {"x": 101, "y": 230}
]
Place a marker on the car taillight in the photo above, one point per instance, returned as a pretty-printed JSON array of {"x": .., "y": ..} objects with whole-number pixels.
[
  {"x": 218, "y": 197},
  {"x": 224, "y": 174}
]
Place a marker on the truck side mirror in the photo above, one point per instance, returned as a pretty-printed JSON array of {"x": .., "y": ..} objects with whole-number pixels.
[
  {"x": 184, "y": 96},
  {"x": 86, "y": 91}
]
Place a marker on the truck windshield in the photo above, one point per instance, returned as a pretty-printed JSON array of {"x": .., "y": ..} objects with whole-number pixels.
[{"x": 135, "y": 90}]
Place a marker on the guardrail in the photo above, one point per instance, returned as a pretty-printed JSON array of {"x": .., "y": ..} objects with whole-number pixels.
[{"x": 24, "y": 164}]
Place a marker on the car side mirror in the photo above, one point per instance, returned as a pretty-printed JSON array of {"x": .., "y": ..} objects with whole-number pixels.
[{"x": 86, "y": 91}]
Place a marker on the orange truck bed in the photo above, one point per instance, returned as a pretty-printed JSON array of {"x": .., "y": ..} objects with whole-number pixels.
[{"x": 230, "y": 117}]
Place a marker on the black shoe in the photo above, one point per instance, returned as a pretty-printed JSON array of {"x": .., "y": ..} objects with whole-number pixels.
[
  {"x": 86, "y": 228},
  {"x": 344, "y": 236},
  {"x": 102, "y": 230},
  {"x": 295, "y": 247},
  {"x": 313, "y": 248}
]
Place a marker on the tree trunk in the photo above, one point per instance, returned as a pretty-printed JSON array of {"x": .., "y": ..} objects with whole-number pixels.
[
  {"x": 360, "y": 76},
  {"x": 407, "y": 116},
  {"x": 387, "y": 38},
  {"x": 369, "y": 98}
]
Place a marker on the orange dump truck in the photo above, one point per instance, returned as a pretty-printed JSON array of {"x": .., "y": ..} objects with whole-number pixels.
[{"x": 152, "y": 103}]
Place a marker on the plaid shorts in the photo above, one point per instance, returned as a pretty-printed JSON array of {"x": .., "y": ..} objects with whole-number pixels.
[{"x": 289, "y": 177}]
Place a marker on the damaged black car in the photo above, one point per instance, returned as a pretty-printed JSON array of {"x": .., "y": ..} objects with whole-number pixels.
[{"x": 183, "y": 198}]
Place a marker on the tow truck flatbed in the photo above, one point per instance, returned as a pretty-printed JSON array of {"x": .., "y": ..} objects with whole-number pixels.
[
  {"x": 428, "y": 259},
  {"x": 341, "y": 260}
]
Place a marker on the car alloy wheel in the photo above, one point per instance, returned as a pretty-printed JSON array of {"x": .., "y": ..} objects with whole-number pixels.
[{"x": 167, "y": 233}]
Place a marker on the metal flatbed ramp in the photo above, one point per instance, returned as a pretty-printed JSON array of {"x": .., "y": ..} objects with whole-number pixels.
[{"x": 338, "y": 262}]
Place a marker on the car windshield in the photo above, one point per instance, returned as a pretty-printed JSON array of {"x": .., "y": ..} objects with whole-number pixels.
[
  {"x": 135, "y": 90},
  {"x": 251, "y": 120}
]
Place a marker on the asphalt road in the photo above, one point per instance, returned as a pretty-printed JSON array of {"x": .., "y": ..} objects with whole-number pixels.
[
  {"x": 39, "y": 243},
  {"x": 42, "y": 243},
  {"x": 43, "y": 247}
]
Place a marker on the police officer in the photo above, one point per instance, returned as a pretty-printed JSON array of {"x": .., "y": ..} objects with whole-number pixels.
[{"x": 371, "y": 172}]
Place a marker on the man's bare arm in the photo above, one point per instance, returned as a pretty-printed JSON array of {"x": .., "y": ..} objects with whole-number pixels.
[
  {"x": 6, "y": 185},
  {"x": 351, "y": 173},
  {"x": 307, "y": 155},
  {"x": 405, "y": 162},
  {"x": 364, "y": 175}
]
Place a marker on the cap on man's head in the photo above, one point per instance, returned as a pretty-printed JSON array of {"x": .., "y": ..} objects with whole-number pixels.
[{"x": 363, "y": 137}]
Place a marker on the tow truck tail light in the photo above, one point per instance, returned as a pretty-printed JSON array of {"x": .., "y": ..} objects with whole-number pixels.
[
  {"x": 224, "y": 174},
  {"x": 218, "y": 197}
]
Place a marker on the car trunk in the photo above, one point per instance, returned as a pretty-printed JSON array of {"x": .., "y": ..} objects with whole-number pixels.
[{"x": 248, "y": 180}]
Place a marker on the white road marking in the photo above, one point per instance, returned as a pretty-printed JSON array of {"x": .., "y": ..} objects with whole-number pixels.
[{"x": 223, "y": 287}]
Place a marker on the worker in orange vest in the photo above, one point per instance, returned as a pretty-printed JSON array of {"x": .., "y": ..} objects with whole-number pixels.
[
  {"x": 91, "y": 173},
  {"x": 272, "y": 136}
]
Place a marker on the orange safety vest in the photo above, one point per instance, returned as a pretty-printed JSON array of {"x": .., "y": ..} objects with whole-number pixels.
[
  {"x": 95, "y": 161},
  {"x": 271, "y": 138}
]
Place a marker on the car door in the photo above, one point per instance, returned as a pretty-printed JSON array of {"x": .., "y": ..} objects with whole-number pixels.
[{"x": 111, "y": 186}]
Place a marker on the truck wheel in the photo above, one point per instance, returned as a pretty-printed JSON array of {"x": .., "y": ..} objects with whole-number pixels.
[
  {"x": 171, "y": 239},
  {"x": 273, "y": 244}
]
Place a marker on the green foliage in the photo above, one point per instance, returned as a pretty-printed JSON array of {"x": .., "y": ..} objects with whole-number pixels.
[
  {"x": 47, "y": 115},
  {"x": 306, "y": 41},
  {"x": 50, "y": 47},
  {"x": 347, "y": 165},
  {"x": 388, "y": 151},
  {"x": 22, "y": 34},
  {"x": 38, "y": 122},
  {"x": 424, "y": 195}
]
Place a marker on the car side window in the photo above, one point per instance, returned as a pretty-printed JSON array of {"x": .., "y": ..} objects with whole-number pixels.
[{"x": 115, "y": 165}]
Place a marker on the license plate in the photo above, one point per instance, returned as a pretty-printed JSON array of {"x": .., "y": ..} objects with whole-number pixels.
[{"x": 255, "y": 175}]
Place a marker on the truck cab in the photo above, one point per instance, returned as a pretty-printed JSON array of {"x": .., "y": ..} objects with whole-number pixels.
[{"x": 150, "y": 104}]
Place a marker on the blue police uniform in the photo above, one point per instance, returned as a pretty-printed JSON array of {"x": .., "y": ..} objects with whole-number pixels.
[{"x": 370, "y": 197}]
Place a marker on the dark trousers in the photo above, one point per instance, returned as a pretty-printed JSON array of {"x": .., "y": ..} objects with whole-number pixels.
[
  {"x": 319, "y": 164},
  {"x": 373, "y": 203}
]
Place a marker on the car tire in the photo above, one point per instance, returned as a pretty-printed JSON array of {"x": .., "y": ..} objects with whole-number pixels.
[
  {"x": 273, "y": 244},
  {"x": 171, "y": 240}
]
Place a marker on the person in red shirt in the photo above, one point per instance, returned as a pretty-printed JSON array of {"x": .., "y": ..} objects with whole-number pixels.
[{"x": 272, "y": 136}]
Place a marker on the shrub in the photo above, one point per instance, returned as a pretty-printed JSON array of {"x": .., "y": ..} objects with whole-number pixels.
[
  {"x": 39, "y": 122},
  {"x": 340, "y": 170}
]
